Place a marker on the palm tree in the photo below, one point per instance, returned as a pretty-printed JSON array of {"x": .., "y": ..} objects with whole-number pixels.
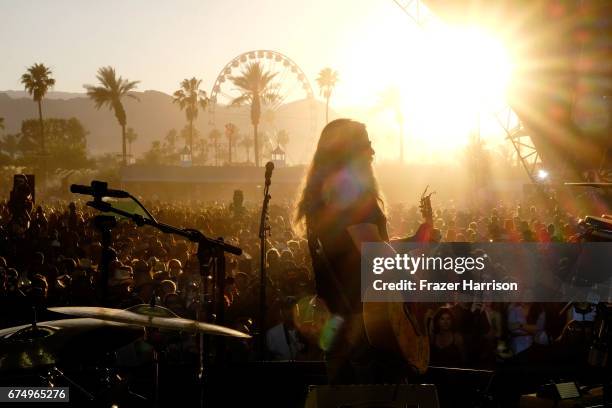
[
  {"x": 214, "y": 137},
  {"x": 154, "y": 155},
  {"x": 255, "y": 85},
  {"x": 231, "y": 131},
  {"x": 201, "y": 148},
  {"x": 327, "y": 80},
  {"x": 391, "y": 99},
  {"x": 37, "y": 81},
  {"x": 110, "y": 93},
  {"x": 222, "y": 152},
  {"x": 170, "y": 142},
  {"x": 247, "y": 143},
  {"x": 190, "y": 136},
  {"x": 131, "y": 137},
  {"x": 190, "y": 99}
]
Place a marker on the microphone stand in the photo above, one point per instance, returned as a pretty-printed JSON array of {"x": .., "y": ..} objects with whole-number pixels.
[
  {"x": 264, "y": 232},
  {"x": 104, "y": 223},
  {"x": 188, "y": 233}
]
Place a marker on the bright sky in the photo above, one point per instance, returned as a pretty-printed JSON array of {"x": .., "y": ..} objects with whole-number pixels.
[
  {"x": 162, "y": 42},
  {"x": 371, "y": 43}
]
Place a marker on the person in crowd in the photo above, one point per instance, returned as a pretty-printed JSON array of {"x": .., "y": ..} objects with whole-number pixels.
[
  {"x": 447, "y": 346},
  {"x": 166, "y": 287},
  {"x": 527, "y": 326},
  {"x": 283, "y": 341},
  {"x": 175, "y": 269},
  {"x": 52, "y": 256},
  {"x": 471, "y": 322}
]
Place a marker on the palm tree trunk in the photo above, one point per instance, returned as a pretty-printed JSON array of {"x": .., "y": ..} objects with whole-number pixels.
[
  {"x": 42, "y": 143},
  {"x": 124, "y": 144},
  {"x": 256, "y": 145},
  {"x": 229, "y": 150},
  {"x": 327, "y": 110},
  {"x": 42, "y": 127},
  {"x": 191, "y": 138},
  {"x": 216, "y": 153}
]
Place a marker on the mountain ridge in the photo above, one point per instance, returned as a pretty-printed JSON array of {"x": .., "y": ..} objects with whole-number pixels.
[{"x": 155, "y": 115}]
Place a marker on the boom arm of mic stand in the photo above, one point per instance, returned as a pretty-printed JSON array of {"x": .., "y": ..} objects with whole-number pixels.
[{"x": 190, "y": 234}]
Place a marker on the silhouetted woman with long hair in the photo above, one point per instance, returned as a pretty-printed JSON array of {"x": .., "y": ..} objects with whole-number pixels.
[{"x": 339, "y": 209}]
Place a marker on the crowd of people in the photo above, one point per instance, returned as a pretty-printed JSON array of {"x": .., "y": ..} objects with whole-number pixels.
[{"x": 49, "y": 256}]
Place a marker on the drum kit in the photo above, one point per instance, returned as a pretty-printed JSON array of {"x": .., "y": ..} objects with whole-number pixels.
[
  {"x": 44, "y": 348},
  {"x": 597, "y": 229},
  {"x": 96, "y": 333}
]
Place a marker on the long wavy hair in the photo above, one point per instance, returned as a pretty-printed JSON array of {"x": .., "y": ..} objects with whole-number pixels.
[{"x": 343, "y": 145}]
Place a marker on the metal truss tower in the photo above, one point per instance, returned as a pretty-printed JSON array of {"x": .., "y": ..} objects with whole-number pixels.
[{"x": 512, "y": 126}]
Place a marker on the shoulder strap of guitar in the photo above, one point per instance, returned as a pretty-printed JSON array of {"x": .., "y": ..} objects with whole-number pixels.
[{"x": 324, "y": 261}]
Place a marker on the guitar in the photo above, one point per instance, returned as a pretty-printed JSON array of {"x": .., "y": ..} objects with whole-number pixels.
[{"x": 399, "y": 327}]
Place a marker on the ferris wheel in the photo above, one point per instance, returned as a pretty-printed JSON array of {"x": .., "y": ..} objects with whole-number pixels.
[{"x": 292, "y": 109}]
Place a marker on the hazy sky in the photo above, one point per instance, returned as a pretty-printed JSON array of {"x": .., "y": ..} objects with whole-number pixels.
[
  {"x": 162, "y": 42},
  {"x": 442, "y": 74}
]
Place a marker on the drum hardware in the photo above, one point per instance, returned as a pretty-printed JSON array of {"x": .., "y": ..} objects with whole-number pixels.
[
  {"x": 55, "y": 373},
  {"x": 211, "y": 258},
  {"x": 599, "y": 352},
  {"x": 596, "y": 229},
  {"x": 61, "y": 342},
  {"x": 153, "y": 319}
]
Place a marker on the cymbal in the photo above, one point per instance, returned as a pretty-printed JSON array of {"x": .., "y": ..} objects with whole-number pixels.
[
  {"x": 61, "y": 341},
  {"x": 147, "y": 316}
]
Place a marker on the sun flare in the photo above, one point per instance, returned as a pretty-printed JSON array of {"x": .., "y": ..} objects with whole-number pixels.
[
  {"x": 461, "y": 79},
  {"x": 451, "y": 80}
]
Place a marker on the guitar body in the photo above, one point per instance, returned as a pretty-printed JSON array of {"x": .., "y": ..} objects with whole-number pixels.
[{"x": 396, "y": 328}]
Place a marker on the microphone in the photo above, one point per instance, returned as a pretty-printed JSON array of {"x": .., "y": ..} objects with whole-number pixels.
[
  {"x": 269, "y": 168},
  {"x": 98, "y": 189}
]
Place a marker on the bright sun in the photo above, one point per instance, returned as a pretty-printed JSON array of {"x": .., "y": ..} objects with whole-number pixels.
[
  {"x": 451, "y": 80},
  {"x": 459, "y": 81}
]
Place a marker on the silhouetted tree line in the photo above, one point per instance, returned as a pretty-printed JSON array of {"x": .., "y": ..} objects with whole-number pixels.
[
  {"x": 65, "y": 145},
  {"x": 46, "y": 145}
]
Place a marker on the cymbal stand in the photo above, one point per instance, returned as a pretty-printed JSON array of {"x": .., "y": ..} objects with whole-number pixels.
[
  {"x": 55, "y": 372},
  {"x": 212, "y": 304},
  {"x": 152, "y": 338},
  {"x": 156, "y": 377}
]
